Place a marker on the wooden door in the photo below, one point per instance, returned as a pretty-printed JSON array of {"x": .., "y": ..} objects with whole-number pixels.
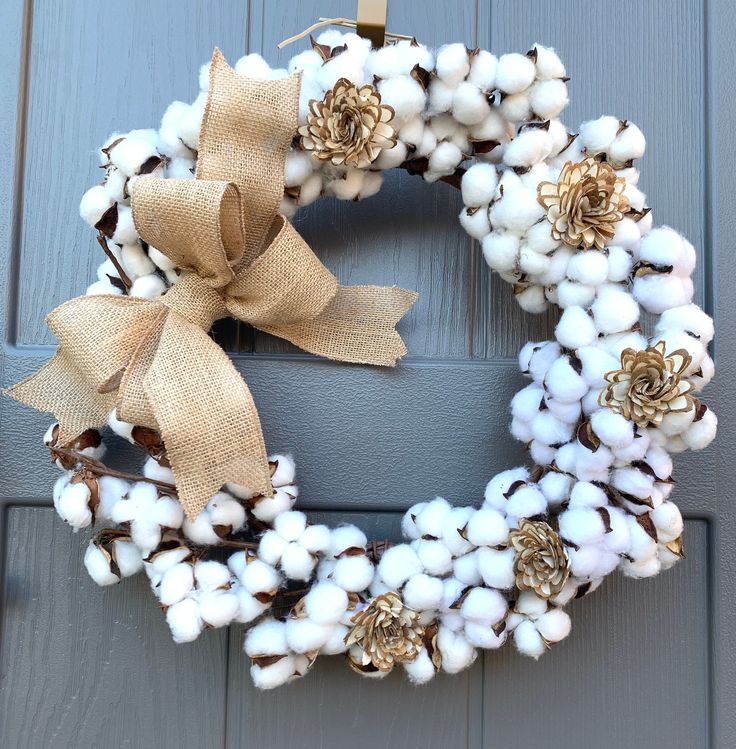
[{"x": 649, "y": 664}]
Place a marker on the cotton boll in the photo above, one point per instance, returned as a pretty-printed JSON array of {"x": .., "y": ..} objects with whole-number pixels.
[
  {"x": 398, "y": 564},
  {"x": 668, "y": 522},
  {"x": 452, "y": 64},
  {"x": 550, "y": 430},
  {"x": 614, "y": 309},
  {"x": 521, "y": 430},
  {"x": 659, "y": 292},
  {"x": 404, "y": 95},
  {"x": 629, "y": 144},
  {"x": 541, "y": 453},
  {"x": 496, "y": 567},
  {"x": 542, "y": 358},
  {"x": 615, "y": 344},
  {"x": 266, "y": 638},
  {"x": 584, "y": 561},
  {"x": 73, "y": 505},
  {"x": 518, "y": 209},
  {"x": 487, "y": 527},
  {"x": 469, "y": 104},
  {"x": 296, "y": 562},
  {"x": 555, "y": 487},
  {"x": 267, "y": 509},
  {"x": 97, "y": 565},
  {"x": 484, "y": 605},
  {"x": 253, "y": 66},
  {"x": 271, "y": 547},
  {"x": 148, "y": 287},
  {"x": 618, "y": 539},
  {"x": 465, "y": 569},
  {"x": 290, "y": 525},
  {"x": 431, "y": 520},
  {"x": 592, "y": 466},
  {"x": 596, "y": 363},
  {"x": 664, "y": 246},
  {"x": 514, "y": 73},
  {"x": 554, "y": 625},
  {"x": 566, "y": 412},
  {"x": 475, "y": 222},
  {"x": 585, "y": 494},
  {"x": 501, "y": 251},
  {"x": 421, "y": 669},
  {"x": 548, "y": 64},
  {"x": 641, "y": 545},
  {"x": 297, "y": 168},
  {"x": 336, "y": 641},
  {"x": 305, "y": 635},
  {"x": 648, "y": 567},
  {"x": 200, "y": 530},
  {"x": 346, "y": 537},
  {"x": 259, "y": 577},
  {"x": 102, "y": 287},
  {"x": 316, "y": 538},
  {"x": 310, "y": 58},
  {"x": 176, "y": 584},
  {"x": 423, "y": 593},
  {"x": 597, "y": 135},
  {"x": 632, "y": 481},
  {"x": 516, "y": 108},
  {"x": 434, "y": 556},
  {"x": 627, "y": 234},
  {"x": 563, "y": 382},
  {"x": 688, "y": 318},
  {"x": 590, "y": 267},
  {"x": 325, "y": 603},
  {"x": 390, "y": 158},
  {"x": 528, "y": 148},
  {"x": 532, "y": 299},
  {"x": 528, "y": 641},
  {"x": 275, "y": 674},
  {"x": 701, "y": 432},
  {"x": 581, "y": 526},
  {"x": 457, "y": 653},
  {"x": 184, "y": 621},
  {"x": 445, "y": 158},
  {"x": 440, "y": 96},
  {"x": 571, "y": 293},
  {"x": 526, "y": 403},
  {"x": 479, "y": 185},
  {"x": 481, "y": 635},
  {"x": 548, "y": 98},
  {"x": 613, "y": 429},
  {"x": 94, "y": 203},
  {"x": 500, "y": 484},
  {"x": 451, "y": 532},
  {"x": 575, "y": 328},
  {"x": 343, "y": 66}
]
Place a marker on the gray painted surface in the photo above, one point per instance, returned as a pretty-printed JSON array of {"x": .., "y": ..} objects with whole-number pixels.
[{"x": 649, "y": 664}]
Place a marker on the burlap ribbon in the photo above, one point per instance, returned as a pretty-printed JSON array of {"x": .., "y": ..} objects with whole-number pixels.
[{"x": 153, "y": 361}]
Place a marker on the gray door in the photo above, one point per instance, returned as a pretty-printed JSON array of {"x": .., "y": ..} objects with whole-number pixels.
[{"x": 649, "y": 664}]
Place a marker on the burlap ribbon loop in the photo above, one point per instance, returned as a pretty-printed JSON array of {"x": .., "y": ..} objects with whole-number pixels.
[{"x": 152, "y": 360}]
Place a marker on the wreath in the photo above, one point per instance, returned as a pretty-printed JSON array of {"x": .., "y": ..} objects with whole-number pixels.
[{"x": 193, "y": 218}]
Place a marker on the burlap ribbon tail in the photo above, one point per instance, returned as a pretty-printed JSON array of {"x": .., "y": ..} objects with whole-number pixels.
[{"x": 153, "y": 361}]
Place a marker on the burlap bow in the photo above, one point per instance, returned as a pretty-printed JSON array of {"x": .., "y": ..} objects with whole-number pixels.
[{"x": 153, "y": 361}]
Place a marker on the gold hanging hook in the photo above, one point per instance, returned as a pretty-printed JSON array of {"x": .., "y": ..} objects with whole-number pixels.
[{"x": 372, "y": 20}]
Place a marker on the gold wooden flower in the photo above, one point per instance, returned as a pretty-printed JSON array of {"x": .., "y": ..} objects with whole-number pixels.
[
  {"x": 541, "y": 562},
  {"x": 649, "y": 385},
  {"x": 387, "y": 632},
  {"x": 350, "y": 126},
  {"x": 584, "y": 204}
]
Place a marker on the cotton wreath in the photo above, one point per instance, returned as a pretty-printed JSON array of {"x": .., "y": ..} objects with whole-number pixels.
[{"x": 610, "y": 399}]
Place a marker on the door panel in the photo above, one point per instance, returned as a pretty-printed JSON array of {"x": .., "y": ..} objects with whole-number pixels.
[{"x": 649, "y": 663}]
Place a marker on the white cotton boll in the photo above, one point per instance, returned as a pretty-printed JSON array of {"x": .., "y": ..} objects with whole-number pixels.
[
  {"x": 305, "y": 635},
  {"x": 452, "y": 591},
  {"x": 541, "y": 453},
  {"x": 496, "y": 567},
  {"x": 73, "y": 505},
  {"x": 311, "y": 190},
  {"x": 475, "y": 222},
  {"x": 484, "y": 605},
  {"x": 390, "y": 158},
  {"x": 434, "y": 556},
  {"x": 618, "y": 539},
  {"x": 530, "y": 604},
  {"x": 249, "y": 607},
  {"x": 184, "y": 621},
  {"x": 542, "y": 358},
  {"x": 268, "y": 509},
  {"x": 290, "y": 525},
  {"x": 347, "y": 537},
  {"x": 398, "y": 564},
  {"x": 404, "y": 95},
  {"x": 452, "y": 63},
  {"x": 571, "y": 293},
  {"x": 528, "y": 641},
  {"x": 297, "y": 168},
  {"x": 479, "y": 185},
  {"x": 554, "y": 625},
  {"x": 704, "y": 374},
  {"x": 176, "y": 583},
  {"x": 98, "y": 566},
  {"x": 409, "y": 521},
  {"x": 702, "y": 432},
  {"x": 102, "y": 287},
  {"x": 444, "y": 127},
  {"x": 528, "y": 148},
  {"x": 372, "y": 182},
  {"x": 148, "y": 287},
  {"x": 200, "y": 530},
  {"x": 316, "y": 538},
  {"x": 690, "y": 319},
  {"x": 237, "y": 563},
  {"x": 481, "y": 635},
  {"x": 590, "y": 267},
  {"x": 673, "y": 424},
  {"x": 627, "y": 145},
  {"x": 253, "y": 66},
  {"x": 627, "y": 234},
  {"x": 581, "y": 525},
  {"x": 469, "y": 104},
  {"x": 457, "y": 653},
  {"x": 548, "y": 98},
  {"x": 500, "y": 484},
  {"x": 526, "y": 403},
  {"x": 555, "y": 487},
  {"x": 585, "y": 561},
  {"x": 567, "y": 412},
  {"x": 613, "y": 429},
  {"x": 641, "y": 545},
  {"x": 275, "y": 674},
  {"x": 445, "y": 158},
  {"x": 592, "y": 466},
  {"x": 353, "y": 574},
  {"x": 112, "y": 490},
  {"x": 514, "y": 73},
  {"x": 483, "y": 70},
  {"x": 431, "y": 520},
  {"x": 668, "y": 521},
  {"x": 648, "y": 567},
  {"x": 614, "y": 309},
  {"x": 211, "y": 575},
  {"x": 575, "y": 328},
  {"x": 131, "y": 153},
  {"x": 548, "y": 64},
  {"x": 465, "y": 569},
  {"x": 310, "y": 58},
  {"x": 423, "y": 593},
  {"x": 296, "y": 562},
  {"x": 343, "y": 66},
  {"x": 633, "y": 481},
  {"x": 335, "y": 643},
  {"x": 597, "y": 362},
  {"x": 116, "y": 185},
  {"x": 516, "y": 108},
  {"x": 563, "y": 382},
  {"x": 218, "y": 608},
  {"x": 549, "y": 430},
  {"x": 615, "y": 344},
  {"x": 125, "y": 232},
  {"x": 421, "y": 669},
  {"x": 135, "y": 261},
  {"x": 560, "y": 138},
  {"x": 487, "y": 527},
  {"x": 440, "y": 96},
  {"x": 456, "y": 521},
  {"x": 266, "y": 638},
  {"x": 597, "y": 135},
  {"x": 620, "y": 264},
  {"x": 180, "y": 167},
  {"x": 532, "y": 299},
  {"x": 659, "y": 292},
  {"x": 347, "y": 186},
  {"x": 501, "y": 251},
  {"x": 259, "y": 577},
  {"x": 271, "y": 547},
  {"x": 664, "y": 246},
  {"x": 412, "y": 132},
  {"x": 326, "y": 603},
  {"x": 94, "y": 203},
  {"x": 586, "y": 494},
  {"x": 518, "y": 209}
]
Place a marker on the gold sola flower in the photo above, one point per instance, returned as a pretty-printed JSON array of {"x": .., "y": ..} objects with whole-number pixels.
[
  {"x": 350, "y": 126},
  {"x": 584, "y": 204},
  {"x": 387, "y": 632},
  {"x": 649, "y": 385},
  {"x": 541, "y": 563}
]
